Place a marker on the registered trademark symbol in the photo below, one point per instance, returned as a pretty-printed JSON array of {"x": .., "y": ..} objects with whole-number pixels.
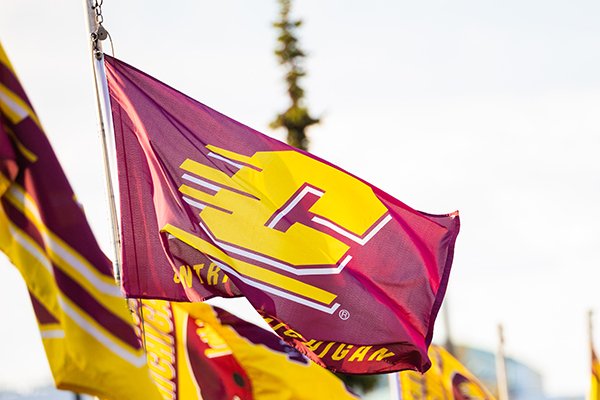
[{"x": 344, "y": 314}]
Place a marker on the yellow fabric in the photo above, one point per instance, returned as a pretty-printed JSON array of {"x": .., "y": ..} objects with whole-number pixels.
[
  {"x": 595, "y": 384},
  {"x": 237, "y": 215},
  {"x": 272, "y": 375},
  {"x": 446, "y": 379},
  {"x": 164, "y": 334},
  {"x": 84, "y": 356}
]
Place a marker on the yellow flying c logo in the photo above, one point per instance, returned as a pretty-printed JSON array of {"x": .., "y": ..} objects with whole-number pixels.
[{"x": 278, "y": 216}]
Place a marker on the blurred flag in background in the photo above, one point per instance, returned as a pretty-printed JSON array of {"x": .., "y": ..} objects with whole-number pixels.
[
  {"x": 446, "y": 379},
  {"x": 595, "y": 386},
  {"x": 196, "y": 351},
  {"x": 187, "y": 358},
  {"x": 83, "y": 318}
]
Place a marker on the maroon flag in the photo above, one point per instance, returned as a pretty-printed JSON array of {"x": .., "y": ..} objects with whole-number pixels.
[{"x": 348, "y": 274}]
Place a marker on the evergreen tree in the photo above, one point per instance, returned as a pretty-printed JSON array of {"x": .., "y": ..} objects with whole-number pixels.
[{"x": 297, "y": 118}]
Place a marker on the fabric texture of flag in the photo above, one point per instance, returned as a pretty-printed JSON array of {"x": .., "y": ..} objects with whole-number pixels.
[
  {"x": 83, "y": 318},
  {"x": 446, "y": 379},
  {"x": 351, "y": 276},
  {"x": 196, "y": 351}
]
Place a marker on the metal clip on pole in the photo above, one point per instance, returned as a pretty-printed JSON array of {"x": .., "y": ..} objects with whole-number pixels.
[{"x": 100, "y": 33}]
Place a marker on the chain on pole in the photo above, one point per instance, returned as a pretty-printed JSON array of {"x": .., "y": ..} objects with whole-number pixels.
[{"x": 100, "y": 33}]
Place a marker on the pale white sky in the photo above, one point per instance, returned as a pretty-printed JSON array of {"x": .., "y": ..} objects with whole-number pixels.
[{"x": 484, "y": 106}]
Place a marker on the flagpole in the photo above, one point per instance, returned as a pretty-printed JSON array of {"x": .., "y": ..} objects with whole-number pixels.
[
  {"x": 449, "y": 342},
  {"x": 501, "y": 378},
  {"x": 97, "y": 34},
  {"x": 591, "y": 349},
  {"x": 591, "y": 330},
  {"x": 395, "y": 386}
]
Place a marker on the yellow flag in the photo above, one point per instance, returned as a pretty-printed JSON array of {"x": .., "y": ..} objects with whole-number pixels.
[
  {"x": 196, "y": 351},
  {"x": 446, "y": 379},
  {"x": 595, "y": 386},
  {"x": 187, "y": 359},
  {"x": 84, "y": 322}
]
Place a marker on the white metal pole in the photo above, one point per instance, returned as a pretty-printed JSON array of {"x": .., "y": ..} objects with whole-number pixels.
[
  {"x": 105, "y": 123},
  {"x": 501, "y": 377},
  {"x": 449, "y": 342},
  {"x": 395, "y": 388},
  {"x": 591, "y": 331},
  {"x": 591, "y": 350}
]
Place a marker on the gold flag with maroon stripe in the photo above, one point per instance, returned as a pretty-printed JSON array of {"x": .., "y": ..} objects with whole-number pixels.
[
  {"x": 595, "y": 384},
  {"x": 84, "y": 322},
  {"x": 446, "y": 379}
]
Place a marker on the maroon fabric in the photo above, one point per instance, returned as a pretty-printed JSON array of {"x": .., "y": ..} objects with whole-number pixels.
[
  {"x": 11, "y": 82},
  {"x": 29, "y": 163},
  {"x": 219, "y": 377},
  {"x": 42, "y": 314},
  {"x": 258, "y": 335},
  {"x": 46, "y": 183},
  {"x": 8, "y": 158},
  {"x": 386, "y": 297}
]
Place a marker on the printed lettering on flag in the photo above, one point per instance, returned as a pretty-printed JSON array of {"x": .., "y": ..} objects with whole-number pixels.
[
  {"x": 196, "y": 351},
  {"x": 187, "y": 358}
]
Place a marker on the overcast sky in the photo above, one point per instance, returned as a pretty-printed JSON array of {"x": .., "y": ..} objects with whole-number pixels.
[{"x": 489, "y": 107}]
